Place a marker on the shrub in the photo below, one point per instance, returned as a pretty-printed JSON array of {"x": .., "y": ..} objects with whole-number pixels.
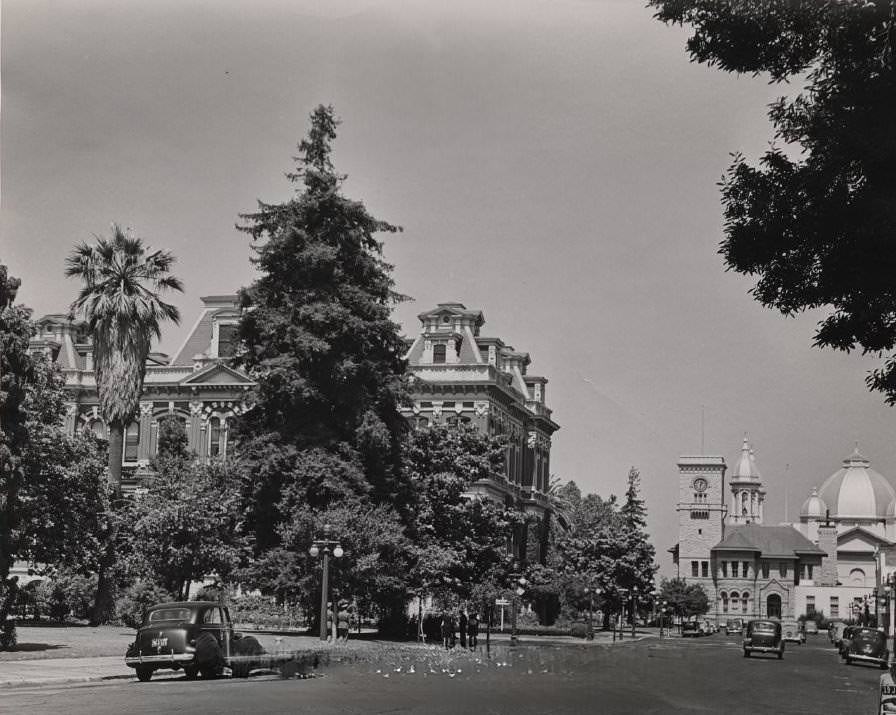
[
  {"x": 579, "y": 630},
  {"x": 131, "y": 605},
  {"x": 66, "y": 594}
]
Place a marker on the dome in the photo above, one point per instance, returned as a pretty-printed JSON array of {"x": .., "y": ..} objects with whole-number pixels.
[
  {"x": 746, "y": 469},
  {"x": 814, "y": 506},
  {"x": 857, "y": 491}
]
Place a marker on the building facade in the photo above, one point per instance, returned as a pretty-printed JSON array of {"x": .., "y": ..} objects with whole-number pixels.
[
  {"x": 196, "y": 385},
  {"x": 459, "y": 375}
]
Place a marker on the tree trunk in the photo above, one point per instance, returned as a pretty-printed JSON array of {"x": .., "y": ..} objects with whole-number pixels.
[
  {"x": 116, "y": 451},
  {"x": 103, "y": 604}
]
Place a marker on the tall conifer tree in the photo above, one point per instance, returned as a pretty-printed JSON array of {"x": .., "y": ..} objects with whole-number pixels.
[{"x": 318, "y": 338}]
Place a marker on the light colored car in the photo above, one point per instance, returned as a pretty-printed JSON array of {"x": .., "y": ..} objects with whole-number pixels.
[
  {"x": 793, "y": 631},
  {"x": 811, "y": 628}
]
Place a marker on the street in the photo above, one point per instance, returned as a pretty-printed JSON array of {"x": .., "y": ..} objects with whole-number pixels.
[{"x": 707, "y": 674}]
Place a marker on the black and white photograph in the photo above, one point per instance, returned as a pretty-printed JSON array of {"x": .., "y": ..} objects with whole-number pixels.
[{"x": 448, "y": 356}]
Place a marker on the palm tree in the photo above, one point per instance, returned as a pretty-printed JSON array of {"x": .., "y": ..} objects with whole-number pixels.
[{"x": 120, "y": 302}]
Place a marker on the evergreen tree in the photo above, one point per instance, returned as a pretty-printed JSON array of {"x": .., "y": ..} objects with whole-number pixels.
[
  {"x": 634, "y": 511},
  {"x": 324, "y": 438}
]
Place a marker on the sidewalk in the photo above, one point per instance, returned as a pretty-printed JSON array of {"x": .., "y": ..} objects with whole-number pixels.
[{"x": 59, "y": 671}]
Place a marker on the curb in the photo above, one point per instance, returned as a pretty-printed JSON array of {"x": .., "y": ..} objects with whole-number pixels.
[{"x": 11, "y": 684}]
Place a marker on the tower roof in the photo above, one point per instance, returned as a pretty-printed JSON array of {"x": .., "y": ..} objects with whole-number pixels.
[
  {"x": 746, "y": 469},
  {"x": 814, "y": 506}
]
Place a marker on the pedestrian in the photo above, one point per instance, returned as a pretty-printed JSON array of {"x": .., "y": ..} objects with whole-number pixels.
[
  {"x": 331, "y": 625},
  {"x": 446, "y": 631},
  {"x": 473, "y": 631},
  {"x": 463, "y": 628},
  {"x": 342, "y": 621}
]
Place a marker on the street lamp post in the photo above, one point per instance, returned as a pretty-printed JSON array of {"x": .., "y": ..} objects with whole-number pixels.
[
  {"x": 591, "y": 592},
  {"x": 621, "y": 617},
  {"x": 520, "y": 584},
  {"x": 325, "y": 545},
  {"x": 663, "y": 617},
  {"x": 634, "y": 612}
]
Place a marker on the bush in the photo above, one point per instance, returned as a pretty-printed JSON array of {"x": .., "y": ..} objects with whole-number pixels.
[
  {"x": 136, "y": 599},
  {"x": 8, "y": 638},
  {"x": 579, "y": 630},
  {"x": 66, "y": 594}
]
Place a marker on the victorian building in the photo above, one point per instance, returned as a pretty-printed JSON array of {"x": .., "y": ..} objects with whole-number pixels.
[
  {"x": 196, "y": 385},
  {"x": 459, "y": 375}
]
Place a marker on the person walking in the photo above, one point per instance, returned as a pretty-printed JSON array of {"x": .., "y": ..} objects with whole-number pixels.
[
  {"x": 473, "y": 631},
  {"x": 342, "y": 621},
  {"x": 463, "y": 628}
]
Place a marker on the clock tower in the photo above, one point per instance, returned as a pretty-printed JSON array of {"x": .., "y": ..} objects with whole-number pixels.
[{"x": 701, "y": 513}]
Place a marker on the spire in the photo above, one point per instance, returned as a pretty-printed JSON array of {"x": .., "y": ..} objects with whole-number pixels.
[{"x": 745, "y": 468}]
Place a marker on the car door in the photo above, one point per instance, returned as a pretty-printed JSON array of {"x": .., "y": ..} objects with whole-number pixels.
[{"x": 212, "y": 622}]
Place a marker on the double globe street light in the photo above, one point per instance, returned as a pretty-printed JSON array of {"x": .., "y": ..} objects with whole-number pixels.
[{"x": 325, "y": 545}]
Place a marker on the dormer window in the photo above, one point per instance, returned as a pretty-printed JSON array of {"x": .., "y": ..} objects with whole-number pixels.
[
  {"x": 225, "y": 338},
  {"x": 438, "y": 353}
]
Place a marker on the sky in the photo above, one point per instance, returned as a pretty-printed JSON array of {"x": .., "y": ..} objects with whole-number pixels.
[{"x": 554, "y": 164}]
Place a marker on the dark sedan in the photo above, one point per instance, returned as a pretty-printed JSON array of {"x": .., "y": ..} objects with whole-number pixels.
[
  {"x": 763, "y": 637},
  {"x": 868, "y": 645}
]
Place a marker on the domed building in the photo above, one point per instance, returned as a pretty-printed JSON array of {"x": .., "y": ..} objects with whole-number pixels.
[
  {"x": 852, "y": 517},
  {"x": 830, "y": 561}
]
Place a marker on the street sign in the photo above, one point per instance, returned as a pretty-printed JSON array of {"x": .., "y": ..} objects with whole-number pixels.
[{"x": 502, "y": 602}]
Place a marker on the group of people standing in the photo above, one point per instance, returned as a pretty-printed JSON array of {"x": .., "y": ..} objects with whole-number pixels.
[
  {"x": 465, "y": 624},
  {"x": 339, "y": 622}
]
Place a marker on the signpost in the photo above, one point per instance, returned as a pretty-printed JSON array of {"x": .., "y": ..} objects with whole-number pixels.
[{"x": 502, "y": 602}]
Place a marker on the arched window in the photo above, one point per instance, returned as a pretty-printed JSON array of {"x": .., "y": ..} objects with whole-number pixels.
[
  {"x": 857, "y": 577},
  {"x": 131, "y": 442},
  {"x": 723, "y": 596},
  {"x": 735, "y": 602},
  {"x": 438, "y": 354},
  {"x": 98, "y": 428},
  {"x": 745, "y": 600},
  {"x": 422, "y": 423},
  {"x": 217, "y": 437}
]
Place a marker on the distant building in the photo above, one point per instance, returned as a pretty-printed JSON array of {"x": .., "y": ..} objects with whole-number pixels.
[
  {"x": 196, "y": 385},
  {"x": 831, "y": 561},
  {"x": 459, "y": 375}
]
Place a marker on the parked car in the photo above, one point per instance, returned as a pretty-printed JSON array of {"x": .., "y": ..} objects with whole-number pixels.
[
  {"x": 868, "y": 645},
  {"x": 706, "y": 628},
  {"x": 763, "y": 637},
  {"x": 197, "y": 636},
  {"x": 690, "y": 628},
  {"x": 793, "y": 632},
  {"x": 734, "y": 626},
  {"x": 810, "y": 628}
]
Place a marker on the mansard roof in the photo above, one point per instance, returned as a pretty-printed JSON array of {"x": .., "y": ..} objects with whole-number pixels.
[
  {"x": 782, "y": 542},
  {"x": 200, "y": 337},
  {"x": 458, "y": 309}
]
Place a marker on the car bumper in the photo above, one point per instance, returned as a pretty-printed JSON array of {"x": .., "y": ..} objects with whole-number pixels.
[
  {"x": 763, "y": 648},
  {"x": 180, "y": 658},
  {"x": 879, "y": 660}
]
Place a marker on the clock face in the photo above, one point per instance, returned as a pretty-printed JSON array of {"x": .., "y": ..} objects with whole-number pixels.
[{"x": 700, "y": 484}]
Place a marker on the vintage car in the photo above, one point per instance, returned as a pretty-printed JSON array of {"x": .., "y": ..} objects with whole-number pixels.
[
  {"x": 197, "y": 636},
  {"x": 793, "y": 632},
  {"x": 811, "y": 628},
  {"x": 868, "y": 645},
  {"x": 734, "y": 626},
  {"x": 763, "y": 637},
  {"x": 691, "y": 628},
  {"x": 706, "y": 628}
]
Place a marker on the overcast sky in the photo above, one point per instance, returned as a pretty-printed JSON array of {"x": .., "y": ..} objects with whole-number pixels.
[{"x": 553, "y": 164}]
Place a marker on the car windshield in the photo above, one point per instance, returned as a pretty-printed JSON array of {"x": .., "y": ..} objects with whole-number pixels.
[
  {"x": 169, "y": 614},
  {"x": 867, "y": 634}
]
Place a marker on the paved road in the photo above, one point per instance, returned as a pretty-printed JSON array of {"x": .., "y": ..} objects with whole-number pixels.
[{"x": 705, "y": 675}]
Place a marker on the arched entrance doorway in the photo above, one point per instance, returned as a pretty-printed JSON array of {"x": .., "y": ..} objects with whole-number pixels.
[{"x": 773, "y": 606}]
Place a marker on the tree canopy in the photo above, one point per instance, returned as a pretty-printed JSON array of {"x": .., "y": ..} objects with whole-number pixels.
[{"x": 814, "y": 219}]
